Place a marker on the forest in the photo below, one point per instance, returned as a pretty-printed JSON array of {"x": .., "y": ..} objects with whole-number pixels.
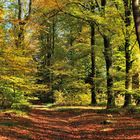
[{"x": 73, "y": 61}]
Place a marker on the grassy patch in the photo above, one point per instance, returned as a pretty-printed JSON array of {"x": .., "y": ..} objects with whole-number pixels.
[
  {"x": 126, "y": 110},
  {"x": 15, "y": 112},
  {"x": 113, "y": 110}
]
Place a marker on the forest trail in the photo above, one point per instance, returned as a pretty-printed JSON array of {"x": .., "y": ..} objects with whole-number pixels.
[{"x": 69, "y": 124}]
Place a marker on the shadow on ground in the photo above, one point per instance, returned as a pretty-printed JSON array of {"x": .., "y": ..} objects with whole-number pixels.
[{"x": 69, "y": 124}]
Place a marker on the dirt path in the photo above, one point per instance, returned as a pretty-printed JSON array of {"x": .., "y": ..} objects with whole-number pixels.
[{"x": 73, "y": 124}]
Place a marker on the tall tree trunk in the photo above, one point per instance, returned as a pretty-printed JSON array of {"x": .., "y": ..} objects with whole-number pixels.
[
  {"x": 93, "y": 70},
  {"x": 49, "y": 57},
  {"x": 109, "y": 67},
  {"x": 109, "y": 64},
  {"x": 136, "y": 15},
  {"x": 22, "y": 23},
  {"x": 20, "y": 39},
  {"x": 128, "y": 76}
]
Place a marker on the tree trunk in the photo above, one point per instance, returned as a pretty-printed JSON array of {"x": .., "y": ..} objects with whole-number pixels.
[
  {"x": 128, "y": 76},
  {"x": 50, "y": 53},
  {"x": 109, "y": 67},
  {"x": 109, "y": 64},
  {"x": 136, "y": 15},
  {"x": 22, "y": 23},
  {"x": 93, "y": 69},
  {"x": 136, "y": 85},
  {"x": 19, "y": 42}
]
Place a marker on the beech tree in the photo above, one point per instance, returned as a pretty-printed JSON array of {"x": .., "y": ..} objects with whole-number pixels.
[
  {"x": 128, "y": 80},
  {"x": 69, "y": 52},
  {"x": 136, "y": 15}
]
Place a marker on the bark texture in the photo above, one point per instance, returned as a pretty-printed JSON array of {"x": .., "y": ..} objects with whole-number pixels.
[
  {"x": 93, "y": 65},
  {"x": 128, "y": 77},
  {"x": 109, "y": 67},
  {"x": 136, "y": 15},
  {"x": 109, "y": 64}
]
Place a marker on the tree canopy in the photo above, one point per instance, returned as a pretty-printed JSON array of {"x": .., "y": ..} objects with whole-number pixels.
[{"x": 69, "y": 52}]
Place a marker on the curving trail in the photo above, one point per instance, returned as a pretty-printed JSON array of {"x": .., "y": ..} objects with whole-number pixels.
[{"x": 69, "y": 124}]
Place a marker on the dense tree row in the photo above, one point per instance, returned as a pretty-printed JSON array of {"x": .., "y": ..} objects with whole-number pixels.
[{"x": 70, "y": 52}]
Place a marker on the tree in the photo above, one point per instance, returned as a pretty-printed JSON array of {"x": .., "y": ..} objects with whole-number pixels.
[
  {"x": 18, "y": 68},
  {"x": 69, "y": 52},
  {"x": 93, "y": 70},
  {"x": 135, "y": 86},
  {"x": 136, "y": 15},
  {"x": 128, "y": 52},
  {"x": 109, "y": 64}
]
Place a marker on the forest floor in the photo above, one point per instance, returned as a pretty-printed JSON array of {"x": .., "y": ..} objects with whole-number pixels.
[{"x": 84, "y": 123}]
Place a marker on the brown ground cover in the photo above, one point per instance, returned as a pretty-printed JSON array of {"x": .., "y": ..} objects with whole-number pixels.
[{"x": 70, "y": 124}]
